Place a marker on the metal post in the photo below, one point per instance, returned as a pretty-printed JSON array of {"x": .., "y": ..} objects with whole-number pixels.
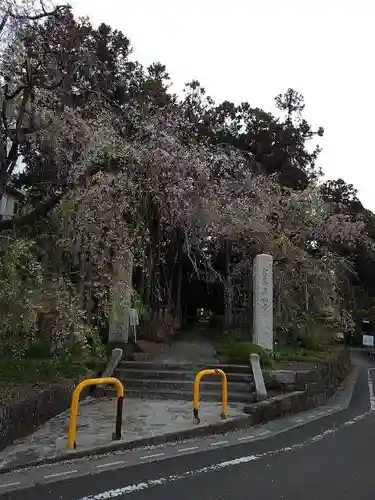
[
  {"x": 72, "y": 430},
  {"x": 224, "y": 392},
  {"x": 117, "y": 435}
]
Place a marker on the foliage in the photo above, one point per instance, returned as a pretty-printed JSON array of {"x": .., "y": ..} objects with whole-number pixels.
[
  {"x": 239, "y": 352},
  {"x": 20, "y": 280},
  {"x": 114, "y": 161},
  {"x": 300, "y": 354},
  {"x": 31, "y": 370},
  {"x": 34, "y": 310},
  {"x": 142, "y": 309}
]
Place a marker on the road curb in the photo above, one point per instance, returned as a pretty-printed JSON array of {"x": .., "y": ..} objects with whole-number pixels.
[{"x": 260, "y": 412}]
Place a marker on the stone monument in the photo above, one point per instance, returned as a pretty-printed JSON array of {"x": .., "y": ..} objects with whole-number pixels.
[{"x": 263, "y": 301}]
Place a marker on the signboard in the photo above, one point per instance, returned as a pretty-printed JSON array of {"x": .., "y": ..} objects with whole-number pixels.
[
  {"x": 133, "y": 317},
  {"x": 368, "y": 340}
]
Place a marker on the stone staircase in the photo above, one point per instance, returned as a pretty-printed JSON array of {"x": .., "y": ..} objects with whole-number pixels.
[{"x": 173, "y": 381}]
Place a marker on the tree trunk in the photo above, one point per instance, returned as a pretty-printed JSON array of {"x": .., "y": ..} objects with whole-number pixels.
[
  {"x": 229, "y": 290},
  {"x": 178, "y": 291},
  {"x": 121, "y": 299},
  {"x": 306, "y": 298}
]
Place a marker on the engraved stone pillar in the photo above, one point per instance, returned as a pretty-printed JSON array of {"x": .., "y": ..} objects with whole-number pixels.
[{"x": 263, "y": 301}]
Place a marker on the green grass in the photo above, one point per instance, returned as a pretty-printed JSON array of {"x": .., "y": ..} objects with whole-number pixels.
[
  {"x": 31, "y": 370},
  {"x": 40, "y": 364},
  {"x": 238, "y": 351},
  {"x": 299, "y": 354}
]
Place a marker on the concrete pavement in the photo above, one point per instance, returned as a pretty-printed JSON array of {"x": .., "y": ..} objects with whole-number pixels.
[
  {"x": 96, "y": 421},
  {"x": 328, "y": 456}
]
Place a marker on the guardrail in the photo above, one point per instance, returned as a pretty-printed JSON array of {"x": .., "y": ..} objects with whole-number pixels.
[
  {"x": 72, "y": 430},
  {"x": 224, "y": 392}
]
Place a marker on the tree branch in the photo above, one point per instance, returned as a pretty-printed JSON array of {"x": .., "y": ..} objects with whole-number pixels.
[
  {"x": 4, "y": 111},
  {"x": 14, "y": 94},
  {"x": 41, "y": 209},
  {"x": 36, "y": 17},
  {"x": 3, "y": 22}
]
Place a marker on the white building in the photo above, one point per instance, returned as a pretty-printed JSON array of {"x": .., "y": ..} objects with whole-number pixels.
[{"x": 9, "y": 203}]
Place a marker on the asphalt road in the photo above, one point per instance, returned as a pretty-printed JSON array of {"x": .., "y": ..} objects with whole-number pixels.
[{"x": 333, "y": 457}]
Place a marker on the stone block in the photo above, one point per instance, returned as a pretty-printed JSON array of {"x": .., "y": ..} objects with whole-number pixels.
[
  {"x": 300, "y": 387},
  {"x": 272, "y": 410},
  {"x": 275, "y": 407},
  {"x": 287, "y": 405},
  {"x": 260, "y": 387},
  {"x": 112, "y": 364},
  {"x": 285, "y": 376},
  {"x": 321, "y": 399},
  {"x": 307, "y": 376},
  {"x": 299, "y": 401},
  {"x": 310, "y": 402},
  {"x": 316, "y": 387},
  {"x": 330, "y": 391}
]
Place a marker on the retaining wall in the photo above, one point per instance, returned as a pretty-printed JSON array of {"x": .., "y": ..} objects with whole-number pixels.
[
  {"x": 20, "y": 419},
  {"x": 319, "y": 384}
]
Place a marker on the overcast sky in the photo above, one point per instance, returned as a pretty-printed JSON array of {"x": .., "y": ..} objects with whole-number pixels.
[{"x": 254, "y": 49}]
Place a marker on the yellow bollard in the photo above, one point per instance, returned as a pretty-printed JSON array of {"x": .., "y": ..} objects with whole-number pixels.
[
  {"x": 72, "y": 430},
  {"x": 224, "y": 392}
]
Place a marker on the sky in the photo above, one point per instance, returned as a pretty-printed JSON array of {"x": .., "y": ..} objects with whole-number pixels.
[{"x": 252, "y": 50}]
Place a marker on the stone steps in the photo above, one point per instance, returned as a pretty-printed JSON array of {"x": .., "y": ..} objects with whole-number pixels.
[
  {"x": 185, "y": 385},
  {"x": 178, "y": 395},
  {"x": 154, "y": 366},
  {"x": 181, "y": 375},
  {"x": 174, "y": 381}
]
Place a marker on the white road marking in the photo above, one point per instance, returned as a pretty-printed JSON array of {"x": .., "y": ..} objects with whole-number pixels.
[
  {"x": 188, "y": 449},
  {"x": 110, "y": 464},
  {"x": 133, "y": 488},
  {"x": 10, "y": 485},
  {"x": 218, "y": 443},
  {"x": 244, "y": 438},
  {"x": 371, "y": 389},
  {"x": 152, "y": 456},
  {"x": 299, "y": 420},
  {"x": 349, "y": 422},
  {"x": 262, "y": 433},
  {"x": 58, "y": 474},
  {"x": 320, "y": 413},
  {"x": 357, "y": 418}
]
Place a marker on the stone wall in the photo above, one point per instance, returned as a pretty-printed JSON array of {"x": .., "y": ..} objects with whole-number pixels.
[
  {"x": 22, "y": 418},
  {"x": 319, "y": 384},
  {"x": 301, "y": 390}
]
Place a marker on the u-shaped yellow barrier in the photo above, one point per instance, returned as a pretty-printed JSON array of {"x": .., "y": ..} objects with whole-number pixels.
[
  {"x": 224, "y": 392},
  {"x": 72, "y": 430}
]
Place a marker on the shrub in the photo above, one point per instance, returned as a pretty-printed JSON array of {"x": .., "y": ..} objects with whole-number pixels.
[
  {"x": 39, "y": 312},
  {"x": 239, "y": 353},
  {"x": 299, "y": 354}
]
